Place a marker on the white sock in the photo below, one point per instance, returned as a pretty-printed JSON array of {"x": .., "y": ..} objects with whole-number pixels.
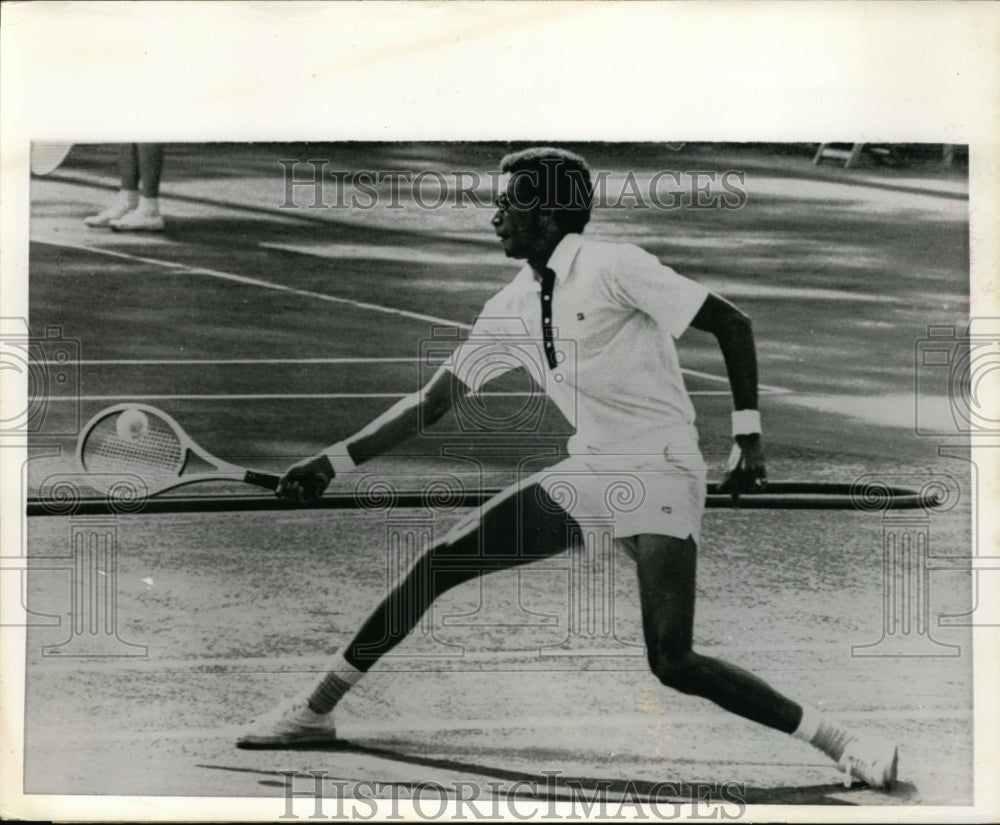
[
  {"x": 148, "y": 206},
  {"x": 128, "y": 199},
  {"x": 809, "y": 725},
  {"x": 340, "y": 678}
]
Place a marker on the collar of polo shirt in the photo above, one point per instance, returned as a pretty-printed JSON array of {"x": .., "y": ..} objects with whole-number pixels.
[{"x": 561, "y": 258}]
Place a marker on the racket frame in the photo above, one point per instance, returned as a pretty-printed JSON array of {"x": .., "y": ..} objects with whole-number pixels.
[
  {"x": 45, "y": 156},
  {"x": 224, "y": 471}
]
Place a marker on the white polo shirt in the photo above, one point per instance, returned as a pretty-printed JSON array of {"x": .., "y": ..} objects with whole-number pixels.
[{"x": 617, "y": 312}]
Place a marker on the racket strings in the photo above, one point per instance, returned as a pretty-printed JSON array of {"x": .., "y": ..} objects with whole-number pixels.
[{"x": 157, "y": 451}]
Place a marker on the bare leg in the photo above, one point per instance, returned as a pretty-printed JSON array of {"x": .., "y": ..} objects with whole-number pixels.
[
  {"x": 127, "y": 197},
  {"x": 518, "y": 526},
  {"x": 666, "y": 568},
  {"x": 511, "y": 530},
  {"x": 142, "y": 164},
  {"x": 150, "y": 168},
  {"x": 128, "y": 166}
]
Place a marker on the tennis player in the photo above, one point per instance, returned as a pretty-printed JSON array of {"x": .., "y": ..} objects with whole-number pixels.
[{"x": 634, "y": 420}]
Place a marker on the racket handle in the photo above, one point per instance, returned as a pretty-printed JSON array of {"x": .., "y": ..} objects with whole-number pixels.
[{"x": 266, "y": 480}]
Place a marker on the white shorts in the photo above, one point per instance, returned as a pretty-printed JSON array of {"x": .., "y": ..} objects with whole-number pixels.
[{"x": 661, "y": 493}]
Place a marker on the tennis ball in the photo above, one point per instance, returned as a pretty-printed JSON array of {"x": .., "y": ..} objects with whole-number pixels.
[{"x": 132, "y": 424}]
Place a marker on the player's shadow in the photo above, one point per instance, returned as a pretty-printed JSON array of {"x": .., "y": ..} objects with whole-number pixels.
[{"x": 617, "y": 790}]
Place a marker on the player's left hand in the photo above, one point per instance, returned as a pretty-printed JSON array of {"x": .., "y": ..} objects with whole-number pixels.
[{"x": 745, "y": 471}]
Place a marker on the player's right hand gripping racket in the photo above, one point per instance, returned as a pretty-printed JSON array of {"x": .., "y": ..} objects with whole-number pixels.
[{"x": 139, "y": 440}]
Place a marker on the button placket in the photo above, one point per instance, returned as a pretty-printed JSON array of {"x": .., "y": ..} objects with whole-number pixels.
[{"x": 548, "y": 285}]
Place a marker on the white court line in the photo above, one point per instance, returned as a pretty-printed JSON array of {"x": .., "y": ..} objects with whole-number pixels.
[
  {"x": 294, "y": 396},
  {"x": 308, "y": 293},
  {"x": 138, "y": 362},
  {"x": 244, "y": 279}
]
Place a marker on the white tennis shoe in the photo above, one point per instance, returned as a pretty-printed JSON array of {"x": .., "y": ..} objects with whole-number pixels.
[
  {"x": 138, "y": 220},
  {"x": 872, "y": 760},
  {"x": 289, "y": 726},
  {"x": 104, "y": 218}
]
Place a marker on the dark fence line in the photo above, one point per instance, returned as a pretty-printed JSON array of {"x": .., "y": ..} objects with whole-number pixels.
[{"x": 779, "y": 495}]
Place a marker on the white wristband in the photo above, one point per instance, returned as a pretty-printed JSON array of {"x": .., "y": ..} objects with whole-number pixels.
[
  {"x": 746, "y": 422},
  {"x": 340, "y": 458}
]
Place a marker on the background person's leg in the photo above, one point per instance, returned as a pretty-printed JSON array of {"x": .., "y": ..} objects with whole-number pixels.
[
  {"x": 666, "y": 568},
  {"x": 145, "y": 217},
  {"x": 128, "y": 166},
  {"x": 127, "y": 198},
  {"x": 150, "y": 159}
]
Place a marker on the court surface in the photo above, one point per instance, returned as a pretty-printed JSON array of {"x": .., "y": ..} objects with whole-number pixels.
[{"x": 270, "y": 329}]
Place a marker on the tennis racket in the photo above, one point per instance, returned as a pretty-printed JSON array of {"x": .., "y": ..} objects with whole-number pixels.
[
  {"x": 139, "y": 440},
  {"x": 46, "y": 157}
]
